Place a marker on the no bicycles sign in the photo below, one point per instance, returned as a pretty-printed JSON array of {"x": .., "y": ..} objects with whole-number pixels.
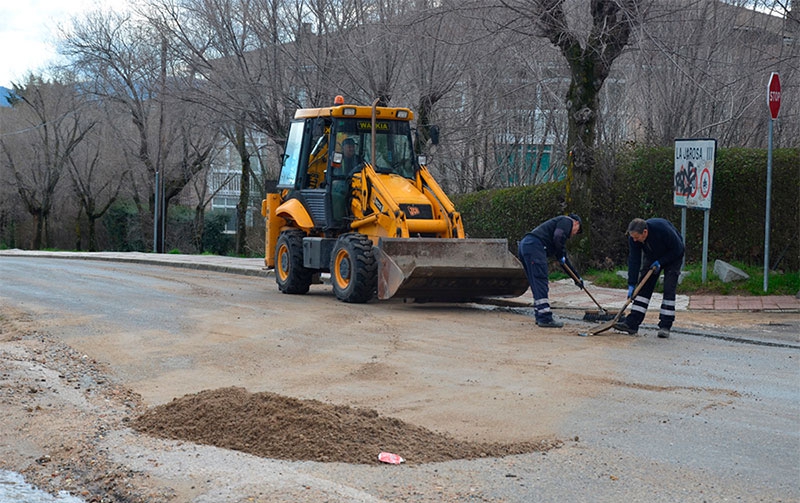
[{"x": 694, "y": 173}]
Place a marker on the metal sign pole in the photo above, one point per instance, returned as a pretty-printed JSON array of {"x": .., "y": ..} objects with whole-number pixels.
[
  {"x": 163, "y": 216},
  {"x": 156, "y": 212},
  {"x": 705, "y": 243},
  {"x": 683, "y": 235},
  {"x": 774, "y": 105},
  {"x": 694, "y": 181},
  {"x": 767, "y": 218}
]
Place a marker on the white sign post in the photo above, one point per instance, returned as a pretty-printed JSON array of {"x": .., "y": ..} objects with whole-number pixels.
[
  {"x": 774, "y": 104},
  {"x": 693, "y": 181}
]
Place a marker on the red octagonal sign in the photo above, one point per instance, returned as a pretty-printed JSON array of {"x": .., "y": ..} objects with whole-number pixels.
[{"x": 774, "y": 95}]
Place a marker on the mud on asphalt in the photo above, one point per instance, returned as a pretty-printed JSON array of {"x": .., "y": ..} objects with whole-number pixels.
[{"x": 45, "y": 384}]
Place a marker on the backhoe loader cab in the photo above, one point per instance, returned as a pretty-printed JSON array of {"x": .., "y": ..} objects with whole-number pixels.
[
  {"x": 354, "y": 200},
  {"x": 324, "y": 151}
]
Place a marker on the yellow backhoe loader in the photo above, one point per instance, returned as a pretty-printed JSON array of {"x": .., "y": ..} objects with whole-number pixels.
[{"x": 355, "y": 201}]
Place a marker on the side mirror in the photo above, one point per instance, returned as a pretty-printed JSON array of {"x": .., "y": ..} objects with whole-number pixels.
[{"x": 433, "y": 131}]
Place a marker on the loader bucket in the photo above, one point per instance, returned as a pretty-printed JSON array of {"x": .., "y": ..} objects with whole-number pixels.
[{"x": 448, "y": 270}]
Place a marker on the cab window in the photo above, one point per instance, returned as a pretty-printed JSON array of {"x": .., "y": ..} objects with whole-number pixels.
[{"x": 292, "y": 156}]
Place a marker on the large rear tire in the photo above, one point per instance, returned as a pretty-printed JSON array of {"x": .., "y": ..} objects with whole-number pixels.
[
  {"x": 354, "y": 269},
  {"x": 290, "y": 274}
]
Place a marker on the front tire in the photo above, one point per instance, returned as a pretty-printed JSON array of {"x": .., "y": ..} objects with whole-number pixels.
[
  {"x": 290, "y": 274},
  {"x": 354, "y": 269}
]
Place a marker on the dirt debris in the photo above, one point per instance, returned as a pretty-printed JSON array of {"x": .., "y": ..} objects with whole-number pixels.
[
  {"x": 274, "y": 426},
  {"x": 59, "y": 405}
]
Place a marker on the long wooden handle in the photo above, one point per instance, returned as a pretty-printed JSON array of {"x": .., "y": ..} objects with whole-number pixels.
[
  {"x": 576, "y": 279},
  {"x": 635, "y": 292},
  {"x": 610, "y": 324}
]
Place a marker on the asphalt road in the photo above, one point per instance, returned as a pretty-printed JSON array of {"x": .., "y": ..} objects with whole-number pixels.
[{"x": 691, "y": 418}]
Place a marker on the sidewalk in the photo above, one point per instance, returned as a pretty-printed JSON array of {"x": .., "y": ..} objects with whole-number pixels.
[
  {"x": 234, "y": 265},
  {"x": 564, "y": 294},
  {"x": 778, "y": 303}
]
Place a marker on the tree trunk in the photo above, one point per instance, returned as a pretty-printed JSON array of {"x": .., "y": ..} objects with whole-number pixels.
[
  {"x": 92, "y": 234},
  {"x": 582, "y": 104},
  {"x": 590, "y": 64},
  {"x": 78, "y": 230},
  {"x": 37, "y": 235},
  {"x": 199, "y": 224},
  {"x": 244, "y": 193},
  {"x": 424, "y": 111}
]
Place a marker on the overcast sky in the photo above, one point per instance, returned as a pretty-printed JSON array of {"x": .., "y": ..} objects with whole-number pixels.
[{"x": 28, "y": 30}]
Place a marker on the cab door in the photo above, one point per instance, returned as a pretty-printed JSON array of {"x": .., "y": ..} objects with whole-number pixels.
[
  {"x": 306, "y": 172},
  {"x": 295, "y": 156}
]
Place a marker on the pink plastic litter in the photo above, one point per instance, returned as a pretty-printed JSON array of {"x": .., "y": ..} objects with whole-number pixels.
[{"x": 388, "y": 457}]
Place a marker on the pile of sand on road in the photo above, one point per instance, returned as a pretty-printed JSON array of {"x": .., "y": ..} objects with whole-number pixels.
[{"x": 274, "y": 426}]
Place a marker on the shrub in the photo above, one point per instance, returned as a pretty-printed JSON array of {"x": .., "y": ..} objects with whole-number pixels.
[
  {"x": 638, "y": 182},
  {"x": 121, "y": 223},
  {"x": 214, "y": 238},
  {"x": 509, "y": 213}
]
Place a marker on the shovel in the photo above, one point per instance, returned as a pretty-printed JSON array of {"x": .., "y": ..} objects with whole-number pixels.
[{"x": 605, "y": 326}]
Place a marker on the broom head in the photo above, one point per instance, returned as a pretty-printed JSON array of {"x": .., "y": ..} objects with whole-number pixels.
[{"x": 599, "y": 316}]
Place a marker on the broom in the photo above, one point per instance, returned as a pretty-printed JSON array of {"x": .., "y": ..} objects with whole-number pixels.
[{"x": 592, "y": 315}]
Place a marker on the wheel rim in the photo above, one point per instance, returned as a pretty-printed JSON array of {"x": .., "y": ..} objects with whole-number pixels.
[
  {"x": 283, "y": 263},
  {"x": 342, "y": 270}
]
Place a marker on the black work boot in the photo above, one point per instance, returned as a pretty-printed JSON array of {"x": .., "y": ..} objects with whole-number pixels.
[
  {"x": 551, "y": 322},
  {"x": 623, "y": 326},
  {"x": 663, "y": 333}
]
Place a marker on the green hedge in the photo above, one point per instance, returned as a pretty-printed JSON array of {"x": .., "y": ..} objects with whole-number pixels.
[
  {"x": 640, "y": 185},
  {"x": 214, "y": 238},
  {"x": 121, "y": 222},
  {"x": 510, "y": 213}
]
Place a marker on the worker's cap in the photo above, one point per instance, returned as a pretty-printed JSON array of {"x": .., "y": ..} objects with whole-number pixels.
[
  {"x": 575, "y": 217},
  {"x": 349, "y": 141}
]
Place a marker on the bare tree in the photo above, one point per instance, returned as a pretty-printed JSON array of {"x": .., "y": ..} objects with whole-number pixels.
[
  {"x": 96, "y": 180},
  {"x": 441, "y": 46},
  {"x": 702, "y": 67},
  {"x": 129, "y": 64},
  {"x": 590, "y": 38},
  {"x": 235, "y": 53},
  {"x": 371, "y": 49},
  {"x": 51, "y": 125},
  {"x": 436, "y": 78},
  {"x": 514, "y": 84},
  {"x": 204, "y": 193},
  {"x": 313, "y": 51},
  {"x": 495, "y": 93}
]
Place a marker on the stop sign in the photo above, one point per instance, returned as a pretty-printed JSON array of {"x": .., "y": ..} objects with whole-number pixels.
[{"x": 774, "y": 95}]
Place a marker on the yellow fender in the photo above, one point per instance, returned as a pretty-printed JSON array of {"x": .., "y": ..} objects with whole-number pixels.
[{"x": 294, "y": 210}]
